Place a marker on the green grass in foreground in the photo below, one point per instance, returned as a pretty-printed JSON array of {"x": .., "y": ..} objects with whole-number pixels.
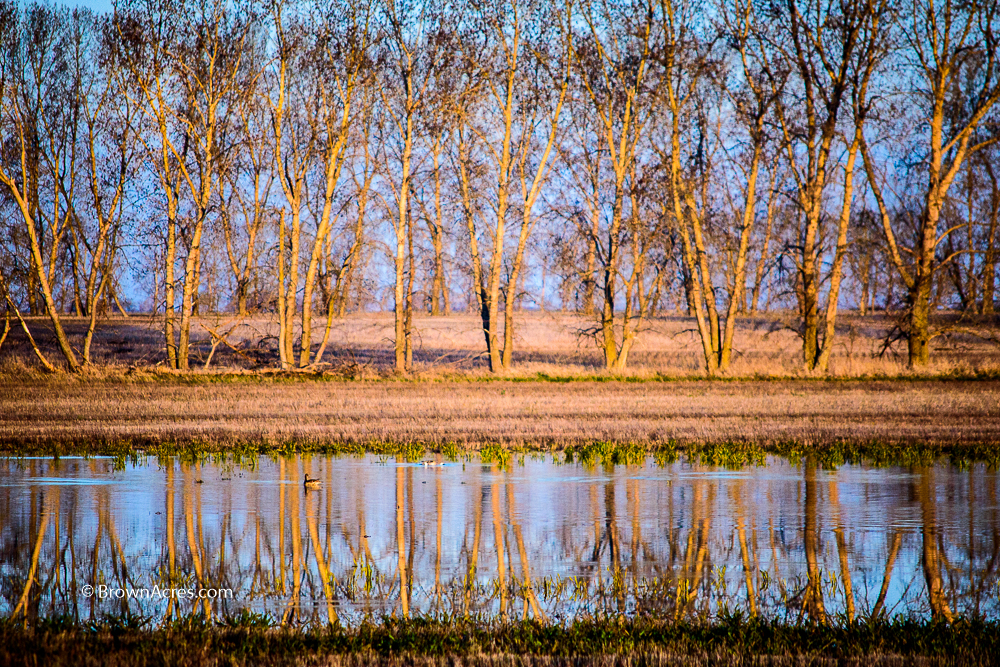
[
  {"x": 638, "y": 642},
  {"x": 732, "y": 455}
]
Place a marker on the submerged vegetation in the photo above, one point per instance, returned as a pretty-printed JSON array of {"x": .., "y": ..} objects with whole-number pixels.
[{"x": 734, "y": 640}]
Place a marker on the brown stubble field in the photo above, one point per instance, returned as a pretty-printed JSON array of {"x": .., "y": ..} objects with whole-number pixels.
[
  {"x": 516, "y": 413},
  {"x": 355, "y": 398},
  {"x": 554, "y": 343}
]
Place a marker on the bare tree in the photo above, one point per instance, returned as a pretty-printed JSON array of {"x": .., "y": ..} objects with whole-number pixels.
[
  {"x": 519, "y": 62},
  {"x": 33, "y": 158},
  {"x": 409, "y": 57},
  {"x": 819, "y": 48},
  {"x": 614, "y": 53},
  {"x": 951, "y": 55},
  {"x": 185, "y": 59}
]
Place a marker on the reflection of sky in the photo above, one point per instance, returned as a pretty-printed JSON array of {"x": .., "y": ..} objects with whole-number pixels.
[{"x": 561, "y": 512}]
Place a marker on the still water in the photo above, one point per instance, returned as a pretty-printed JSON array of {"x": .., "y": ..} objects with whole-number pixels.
[{"x": 87, "y": 539}]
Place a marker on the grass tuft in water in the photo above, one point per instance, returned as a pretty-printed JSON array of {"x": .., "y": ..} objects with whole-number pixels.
[
  {"x": 494, "y": 453},
  {"x": 730, "y": 455}
]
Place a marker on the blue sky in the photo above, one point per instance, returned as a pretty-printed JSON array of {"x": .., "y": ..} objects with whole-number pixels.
[{"x": 96, "y": 5}]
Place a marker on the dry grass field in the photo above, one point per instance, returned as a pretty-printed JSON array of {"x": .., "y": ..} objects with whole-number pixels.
[
  {"x": 517, "y": 413},
  {"x": 355, "y": 398},
  {"x": 552, "y": 343}
]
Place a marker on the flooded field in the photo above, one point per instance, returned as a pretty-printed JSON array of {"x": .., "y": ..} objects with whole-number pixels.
[{"x": 537, "y": 538}]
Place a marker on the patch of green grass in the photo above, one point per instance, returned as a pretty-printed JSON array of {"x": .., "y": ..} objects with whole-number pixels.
[
  {"x": 731, "y": 455},
  {"x": 411, "y": 452},
  {"x": 665, "y": 454},
  {"x": 451, "y": 451},
  {"x": 122, "y": 453},
  {"x": 629, "y": 454},
  {"x": 494, "y": 453}
]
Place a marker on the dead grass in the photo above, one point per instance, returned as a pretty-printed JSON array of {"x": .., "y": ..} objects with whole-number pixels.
[
  {"x": 545, "y": 343},
  {"x": 557, "y": 395},
  {"x": 67, "y": 409}
]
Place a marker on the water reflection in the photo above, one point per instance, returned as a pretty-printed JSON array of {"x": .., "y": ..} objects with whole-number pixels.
[{"x": 539, "y": 540}]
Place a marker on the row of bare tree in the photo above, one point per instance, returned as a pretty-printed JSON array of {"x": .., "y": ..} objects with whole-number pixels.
[{"x": 295, "y": 157}]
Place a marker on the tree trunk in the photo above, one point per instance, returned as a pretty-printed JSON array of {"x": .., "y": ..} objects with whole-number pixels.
[
  {"x": 739, "y": 279},
  {"x": 478, "y": 282},
  {"x": 810, "y": 287},
  {"x": 283, "y": 333},
  {"x": 411, "y": 276},
  {"x": 439, "y": 287},
  {"x": 923, "y": 284},
  {"x": 590, "y": 262},
  {"x": 402, "y": 226},
  {"x": 168, "y": 289},
  {"x": 758, "y": 282},
  {"x": 990, "y": 258},
  {"x": 608, "y": 334},
  {"x": 46, "y": 290},
  {"x": 292, "y": 286},
  {"x": 188, "y": 297},
  {"x": 837, "y": 272}
]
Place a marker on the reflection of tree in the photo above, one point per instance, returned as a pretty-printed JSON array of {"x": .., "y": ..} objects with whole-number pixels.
[
  {"x": 281, "y": 525},
  {"x": 894, "y": 543},
  {"x": 297, "y": 561},
  {"x": 736, "y": 497},
  {"x": 439, "y": 507},
  {"x": 696, "y": 554},
  {"x": 192, "y": 508},
  {"x": 115, "y": 550},
  {"x": 986, "y": 575},
  {"x": 321, "y": 565},
  {"x": 36, "y": 551},
  {"x": 172, "y": 579},
  {"x": 812, "y": 601},
  {"x": 845, "y": 569},
  {"x": 39, "y": 531},
  {"x": 498, "y": 543},
  {"x": 931, "y": 554},
  {"x": 529, "y": 592},
  {"x": 477, "y": 518},
  {"x": 404, "y": 600},
  {"x": 411, "y": 552}
]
